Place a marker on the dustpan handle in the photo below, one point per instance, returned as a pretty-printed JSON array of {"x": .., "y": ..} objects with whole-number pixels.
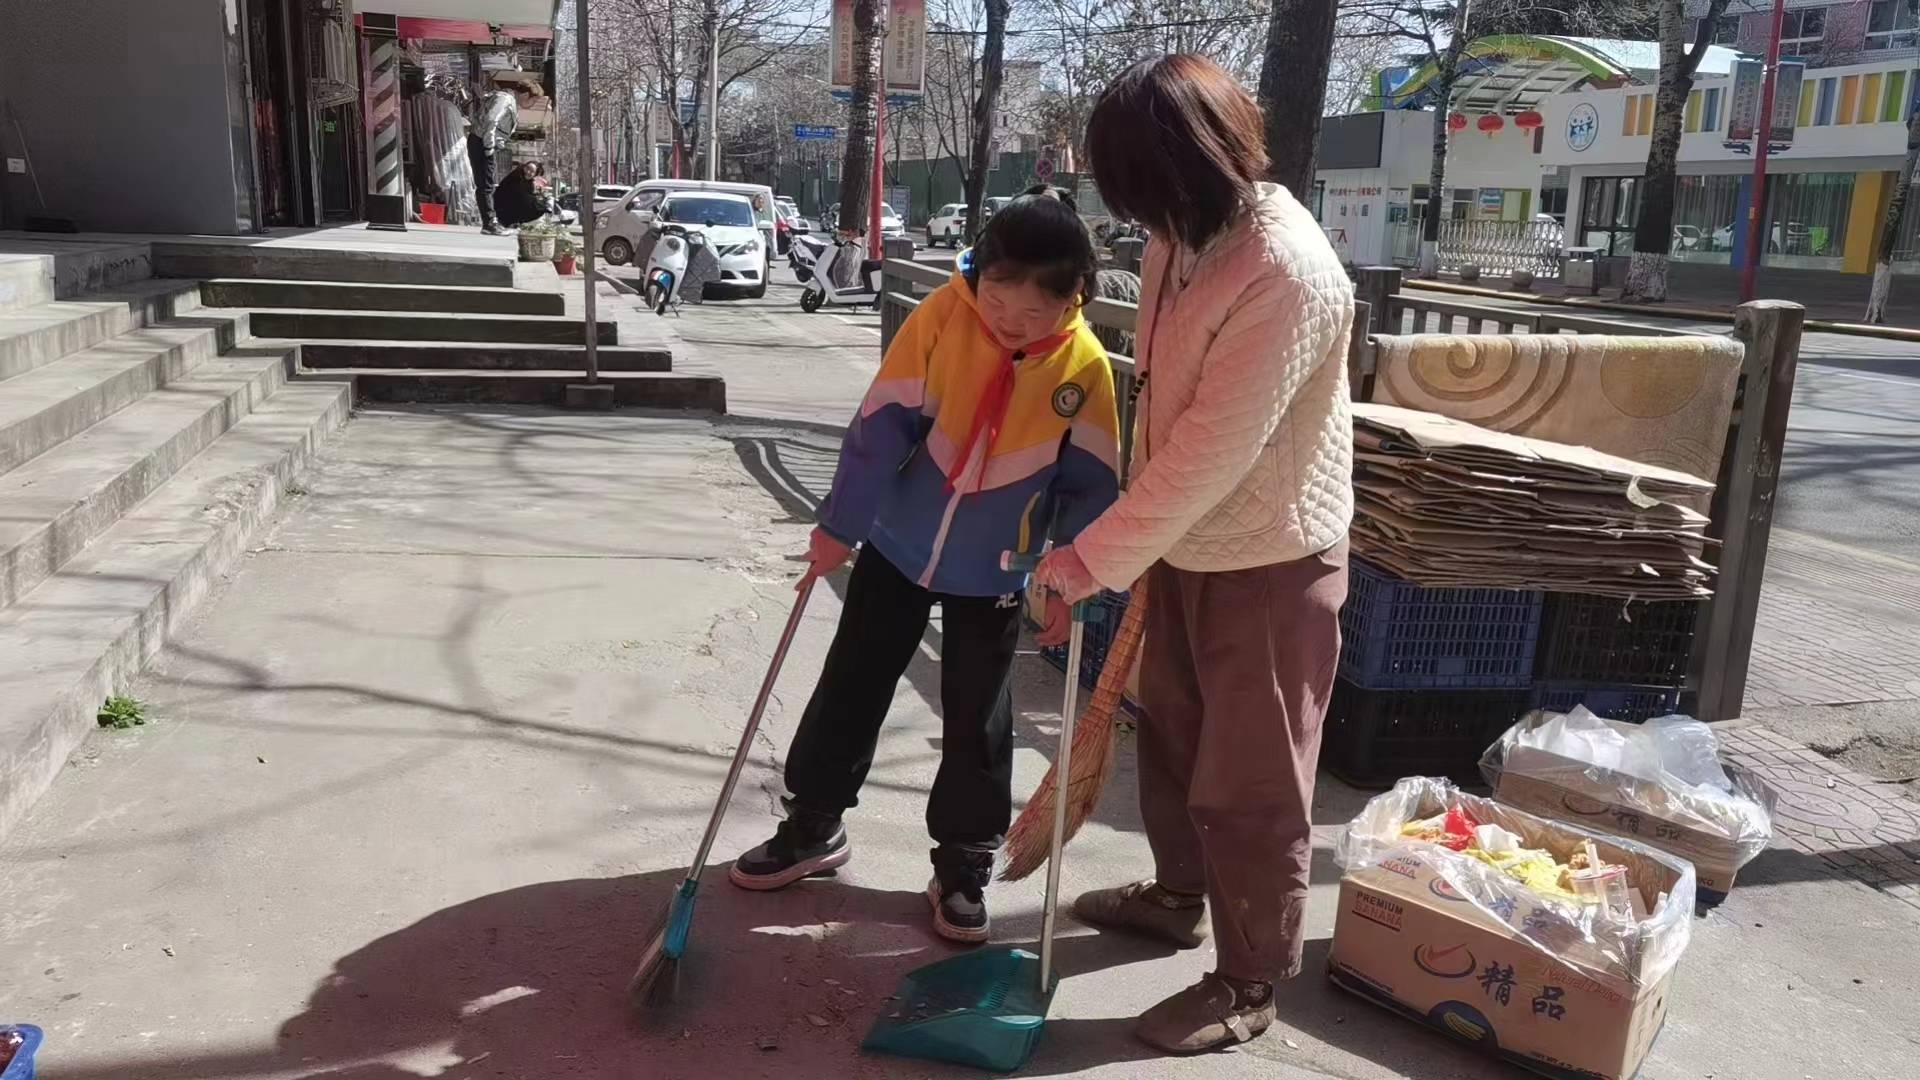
[
  {"x": 752, "y": 728},
  {"x": 1025, "y": 563}
]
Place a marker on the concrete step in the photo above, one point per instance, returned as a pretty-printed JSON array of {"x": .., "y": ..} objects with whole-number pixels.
[
  {"x": 53, "y": 403},
  {"x": 32, "y": 336},
  {"x": 88, "y": 629},
  {"x": 363, "y": 296},
  {"x": 321, "y": 355},
  {"x": 250, "y": 257},
  {"x": 25, "y": 280},
  {"x": 451, "y": 326},
  {"x": 637, "y": 389},
  {"x": 58, "y": 502}
]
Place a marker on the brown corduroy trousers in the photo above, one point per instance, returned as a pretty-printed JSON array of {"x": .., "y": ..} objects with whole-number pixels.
[{"x": 1235, "y": 674}]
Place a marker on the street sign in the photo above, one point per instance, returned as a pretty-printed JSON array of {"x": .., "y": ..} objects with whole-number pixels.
[
  {"x": 1043, "y": 169},
  {"x": 895, "y": 102},
  {"x": 815, "y": 131}
]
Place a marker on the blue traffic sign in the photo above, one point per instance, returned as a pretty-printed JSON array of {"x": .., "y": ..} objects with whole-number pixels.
[{"x": 815, "y": 131}]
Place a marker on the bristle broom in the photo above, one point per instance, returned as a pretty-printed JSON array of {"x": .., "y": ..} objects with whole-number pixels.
[{"x": 1030, "y": 839}]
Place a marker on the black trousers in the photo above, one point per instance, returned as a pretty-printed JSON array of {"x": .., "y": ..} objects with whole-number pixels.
[
  {"x": 885, "y": 616},
  {"x": 482, "y": 159}
]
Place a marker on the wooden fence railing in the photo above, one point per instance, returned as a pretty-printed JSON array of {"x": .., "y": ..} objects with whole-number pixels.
[{"x": 1744, "y": 493}]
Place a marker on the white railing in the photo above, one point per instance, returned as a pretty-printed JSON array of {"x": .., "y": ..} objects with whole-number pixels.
[{"x": 1501, "y": 247}]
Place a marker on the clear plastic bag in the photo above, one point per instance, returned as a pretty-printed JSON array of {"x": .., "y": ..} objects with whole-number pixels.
[
  {"x": 1667, "y": 769},
  {"x": 1582, "y": 936}
]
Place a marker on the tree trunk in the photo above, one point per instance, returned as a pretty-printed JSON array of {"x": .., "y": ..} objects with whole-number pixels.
[
  {"x": 1653, "y": 232},
  {"x": 1293, "y": 86},
  {"x": 1437, "y": 175},
  {"x": 986, "y": 110},
  {"x": 856, "y": 169},
  {"x": 1890, "y": 225}
]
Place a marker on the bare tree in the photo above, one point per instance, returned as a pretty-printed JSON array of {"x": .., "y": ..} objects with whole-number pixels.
[
  {"x": 1653, "y": 233},
  {"x": 993, "y": 70},
  {"x": 869, "y": 31},
  {"x": 677, "y": 36},
  {"x": 1293, "y": 83},
  {"x": 1896, "y": 215}
]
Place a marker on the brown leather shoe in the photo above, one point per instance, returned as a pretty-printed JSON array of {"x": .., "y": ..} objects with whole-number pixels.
[
  {"x": 1211, "y": 1014},
  {"x": 1147, "y": 908}
]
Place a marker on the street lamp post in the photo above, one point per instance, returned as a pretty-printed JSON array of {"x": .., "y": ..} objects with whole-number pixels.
[
  {"x": 713, "y": 91},
  {"x": 1763, "y": 140}
]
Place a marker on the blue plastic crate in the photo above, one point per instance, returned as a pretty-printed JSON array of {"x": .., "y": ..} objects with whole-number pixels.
[
  {"x": 1632, "y": 704},
  {"x": 1395, "y": 635},
  {"x": 21, "y": 1067},
  {"x": 1094, "y": 640}
]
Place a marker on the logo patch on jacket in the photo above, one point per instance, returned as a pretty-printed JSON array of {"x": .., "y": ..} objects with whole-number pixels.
[{"x": 1068, "y": 399}]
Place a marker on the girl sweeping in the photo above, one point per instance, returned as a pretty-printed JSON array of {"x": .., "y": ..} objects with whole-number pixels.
[{"x": 990, "y": 427}]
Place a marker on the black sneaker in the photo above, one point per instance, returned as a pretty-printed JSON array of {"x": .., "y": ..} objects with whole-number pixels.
[
  {"x": 960, "y": 915},
  {"x": 805, "y": 844}
]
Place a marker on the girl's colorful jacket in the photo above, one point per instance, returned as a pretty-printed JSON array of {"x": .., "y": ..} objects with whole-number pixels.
[{"x": 925, "y": 479}]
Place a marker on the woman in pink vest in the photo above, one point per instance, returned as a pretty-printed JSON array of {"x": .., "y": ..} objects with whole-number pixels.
[{"x": 1237, "y": 515}]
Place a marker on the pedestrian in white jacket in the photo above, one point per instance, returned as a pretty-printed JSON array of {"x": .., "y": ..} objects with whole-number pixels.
[{"x": 1237, "y": 516}]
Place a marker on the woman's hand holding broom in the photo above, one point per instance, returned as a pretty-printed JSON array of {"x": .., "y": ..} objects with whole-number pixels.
[{"x": 1063, "y": 572}]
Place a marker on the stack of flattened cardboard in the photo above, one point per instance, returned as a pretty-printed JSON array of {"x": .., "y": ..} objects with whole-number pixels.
[{"x": 1441, "y": 502}]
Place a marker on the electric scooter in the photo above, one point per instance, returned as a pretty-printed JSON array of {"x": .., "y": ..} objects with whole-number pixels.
[
  {"x": 821, "y": 292},
  {"x": 805, "y": 254},
  {"x": 667, "y": 265}
]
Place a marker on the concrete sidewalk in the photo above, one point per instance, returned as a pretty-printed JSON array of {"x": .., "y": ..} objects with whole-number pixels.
[{"x": 426, "y": 769}]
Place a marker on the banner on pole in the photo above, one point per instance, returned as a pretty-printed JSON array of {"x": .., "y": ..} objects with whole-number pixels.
[
  {"x": 1748, "y": 78},
  {"x": 905, "y": 59},
  {"x": 840, "y": 34}
]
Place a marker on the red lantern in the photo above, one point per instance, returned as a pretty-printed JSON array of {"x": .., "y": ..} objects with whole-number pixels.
[
  {"x": 1491, "y": 123},
  {"x": 1529, "y": 120},
  {"x": 1457, "y": 122}
]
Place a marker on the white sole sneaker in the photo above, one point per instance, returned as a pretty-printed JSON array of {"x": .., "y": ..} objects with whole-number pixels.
[
  {"x": 945, "y": 929},
  {"x": 804, "y": 869}
]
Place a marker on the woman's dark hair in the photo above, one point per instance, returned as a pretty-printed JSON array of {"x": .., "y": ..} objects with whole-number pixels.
[
  {"x": 1037, "y": 237},
  {"x": 1177, "y": 144}
]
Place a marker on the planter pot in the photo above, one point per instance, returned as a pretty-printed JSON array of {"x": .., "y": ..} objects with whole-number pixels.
[
  {"x": 563, "y": 264},
  {"x": 535, "y": 247}
]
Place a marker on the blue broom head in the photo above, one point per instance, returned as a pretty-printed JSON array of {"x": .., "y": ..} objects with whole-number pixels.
[
  {"x": 983, "y": 1008},
  {"x": 680, "y": 918}
]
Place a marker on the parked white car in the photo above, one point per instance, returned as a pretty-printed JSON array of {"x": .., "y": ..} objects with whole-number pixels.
[
  {"x": 731, "y": 231},
  {"x": 890, "y": 223},
  {"x": 949, "y": 226},
  {"x": 619, "y": 227},
  {"x": 605, "y": 195}
]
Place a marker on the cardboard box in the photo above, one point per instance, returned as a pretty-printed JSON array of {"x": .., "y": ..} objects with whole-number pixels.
[
  {"x": 1522, "y": 988},
  {"x": 1563, "y": 789}
]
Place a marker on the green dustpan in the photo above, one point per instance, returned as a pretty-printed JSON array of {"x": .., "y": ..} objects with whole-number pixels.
[
  {"x": 988, "y": 1008},
  {"x": 985, "y": 1009}
]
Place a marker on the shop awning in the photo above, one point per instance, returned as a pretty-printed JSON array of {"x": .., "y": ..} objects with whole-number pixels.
[{"x": 1511, "y": 73}]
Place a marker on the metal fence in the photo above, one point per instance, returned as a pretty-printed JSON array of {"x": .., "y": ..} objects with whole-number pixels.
[
  {"x": 1501, "y": 247},
  {"x": 1744, "y": 493}
]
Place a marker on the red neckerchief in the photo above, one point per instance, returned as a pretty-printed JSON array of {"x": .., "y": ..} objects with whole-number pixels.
[{"x": 991, "y": 412}]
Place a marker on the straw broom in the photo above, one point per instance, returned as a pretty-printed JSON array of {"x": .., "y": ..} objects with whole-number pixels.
[{"x": 1030, "y": 839}]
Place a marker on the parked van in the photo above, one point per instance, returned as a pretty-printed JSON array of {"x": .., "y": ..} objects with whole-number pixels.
[{"x": 619, "y": 227}]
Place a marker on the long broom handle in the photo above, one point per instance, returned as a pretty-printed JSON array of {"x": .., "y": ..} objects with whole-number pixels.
[
  {"x": 1063, "y": 764},
  {"x": 753, "y": 727}
]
